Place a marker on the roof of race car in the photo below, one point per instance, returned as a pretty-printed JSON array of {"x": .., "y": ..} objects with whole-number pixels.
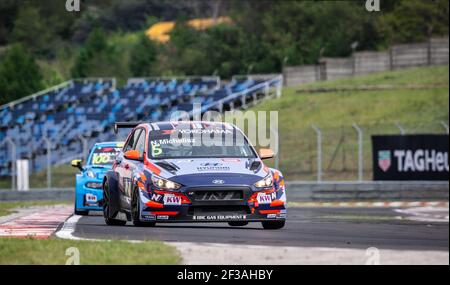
[
  {"x": 155, "y": 126},
  {"x": 116, "y": 144}
]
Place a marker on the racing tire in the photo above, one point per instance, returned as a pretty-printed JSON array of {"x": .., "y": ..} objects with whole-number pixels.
[
  {"x": 109, "y": 219},
  {"x": 273, "y": 225},
  {"x": 237, "y": 224},
  {"x": 135, "y": 211}
]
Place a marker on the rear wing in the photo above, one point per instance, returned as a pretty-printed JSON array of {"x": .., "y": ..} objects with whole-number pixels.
[{"x": 125, "y": 125}]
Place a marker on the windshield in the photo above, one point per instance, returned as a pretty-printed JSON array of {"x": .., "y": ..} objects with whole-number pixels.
[
  {"x": 198, "y": 143},
  {"x": 104, "y": 155}
]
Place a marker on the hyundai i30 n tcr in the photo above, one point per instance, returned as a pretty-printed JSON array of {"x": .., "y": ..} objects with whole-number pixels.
[{"x": 192, "y": 172}]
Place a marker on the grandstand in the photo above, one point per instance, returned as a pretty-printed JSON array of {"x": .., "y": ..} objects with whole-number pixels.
[{"x": 74, "y": 115}]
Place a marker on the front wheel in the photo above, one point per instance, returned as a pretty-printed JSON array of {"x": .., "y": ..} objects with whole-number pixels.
[
  {"x": 136, "y": 211},
  {"x": 273, "y": 225},
  {"x": 109, "y": 217}
]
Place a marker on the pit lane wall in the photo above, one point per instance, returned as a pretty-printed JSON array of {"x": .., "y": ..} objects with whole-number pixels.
[{"x": 298, "y": 191}]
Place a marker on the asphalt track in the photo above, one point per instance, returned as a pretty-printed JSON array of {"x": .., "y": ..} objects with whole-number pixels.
[{"x": 306, "y": 227}]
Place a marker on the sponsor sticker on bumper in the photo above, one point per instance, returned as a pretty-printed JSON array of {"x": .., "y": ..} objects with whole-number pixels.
[
  {"x": 264, "y": 199},
  {"x": 91, "y": 199},
  {"x": 147, "y": 216},
  {"x": 172, "y": 200},
  {"x": 219, "y": 217}
]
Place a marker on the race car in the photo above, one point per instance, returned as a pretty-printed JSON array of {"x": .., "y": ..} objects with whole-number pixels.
[
  {"x": 88, "y": 189},
  {"x": 192, "y": 172}
]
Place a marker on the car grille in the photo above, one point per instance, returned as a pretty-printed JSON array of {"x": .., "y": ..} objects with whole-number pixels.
[{"x": 218, "y": 195}]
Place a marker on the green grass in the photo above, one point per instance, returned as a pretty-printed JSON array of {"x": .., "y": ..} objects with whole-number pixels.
[
  {"x": 53, "y": 251},
  {"x": 7, "y": 208},
  {"x": 63, "y": 176},
  {"x": 377, "y": 112}
]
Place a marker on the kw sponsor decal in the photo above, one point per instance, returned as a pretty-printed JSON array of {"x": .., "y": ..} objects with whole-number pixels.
[
  {"x": 91, "y": 200},
  {"x": 264, "y": 199},
  {"x": 172, "y": 200}
]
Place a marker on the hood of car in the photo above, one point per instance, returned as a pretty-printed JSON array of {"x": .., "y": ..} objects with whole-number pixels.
[
  {"x": 212, "y": 167},
  {"x": 99, "y": 171}
]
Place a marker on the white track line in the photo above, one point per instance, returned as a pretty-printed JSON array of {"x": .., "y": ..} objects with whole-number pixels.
[{"x": 68, "y": 229}]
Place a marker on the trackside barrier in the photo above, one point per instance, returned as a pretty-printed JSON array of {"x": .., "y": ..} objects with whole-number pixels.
[
  {"x": 368, "y": 191},
  {"x": 298, "y": 192}
]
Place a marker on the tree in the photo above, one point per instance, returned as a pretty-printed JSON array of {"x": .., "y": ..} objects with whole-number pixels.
[
  {"x": 143, "y": 57},
  {"x": 31, "y": 31},
  {"x": 303, "y": 30},
  {"x": 99, "y": 59},
  {"x": 415, "y": 20},
  {"x": 19, "y": 74}
]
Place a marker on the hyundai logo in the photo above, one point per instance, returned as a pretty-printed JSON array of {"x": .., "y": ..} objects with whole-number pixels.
[{"x": 218, "y": 181}]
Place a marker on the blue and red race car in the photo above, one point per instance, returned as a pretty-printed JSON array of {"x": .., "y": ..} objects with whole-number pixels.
[
  {"x": 88, "y": 190},
  {"x": 192, "y": 172}
]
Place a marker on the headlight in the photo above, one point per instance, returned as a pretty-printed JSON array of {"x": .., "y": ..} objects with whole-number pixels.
[
  {"x": 266, "y": 182},
  {"x": 90, "y": 174},
  {"x": 162, "y": 183}
]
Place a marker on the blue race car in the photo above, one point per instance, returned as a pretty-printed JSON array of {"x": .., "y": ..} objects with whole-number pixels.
[{"x": 88, "y": 191}]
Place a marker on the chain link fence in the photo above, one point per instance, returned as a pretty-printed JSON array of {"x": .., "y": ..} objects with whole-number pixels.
[{"x": 337, "y": 154}]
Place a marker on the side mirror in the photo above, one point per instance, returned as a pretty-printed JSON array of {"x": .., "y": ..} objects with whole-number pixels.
[
  {"x": 77, "y": 164},
  {"x": 266, "y": 153},
  {"x": 133, "y": 155}
]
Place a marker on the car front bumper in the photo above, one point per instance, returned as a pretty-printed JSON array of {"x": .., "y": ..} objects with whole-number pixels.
[
  {"x": 199, "y": 204},
  {"x": 88, "y": 198}
]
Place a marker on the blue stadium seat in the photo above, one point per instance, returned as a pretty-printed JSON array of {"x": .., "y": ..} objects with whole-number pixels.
[{"x": 88, "y": 108}]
